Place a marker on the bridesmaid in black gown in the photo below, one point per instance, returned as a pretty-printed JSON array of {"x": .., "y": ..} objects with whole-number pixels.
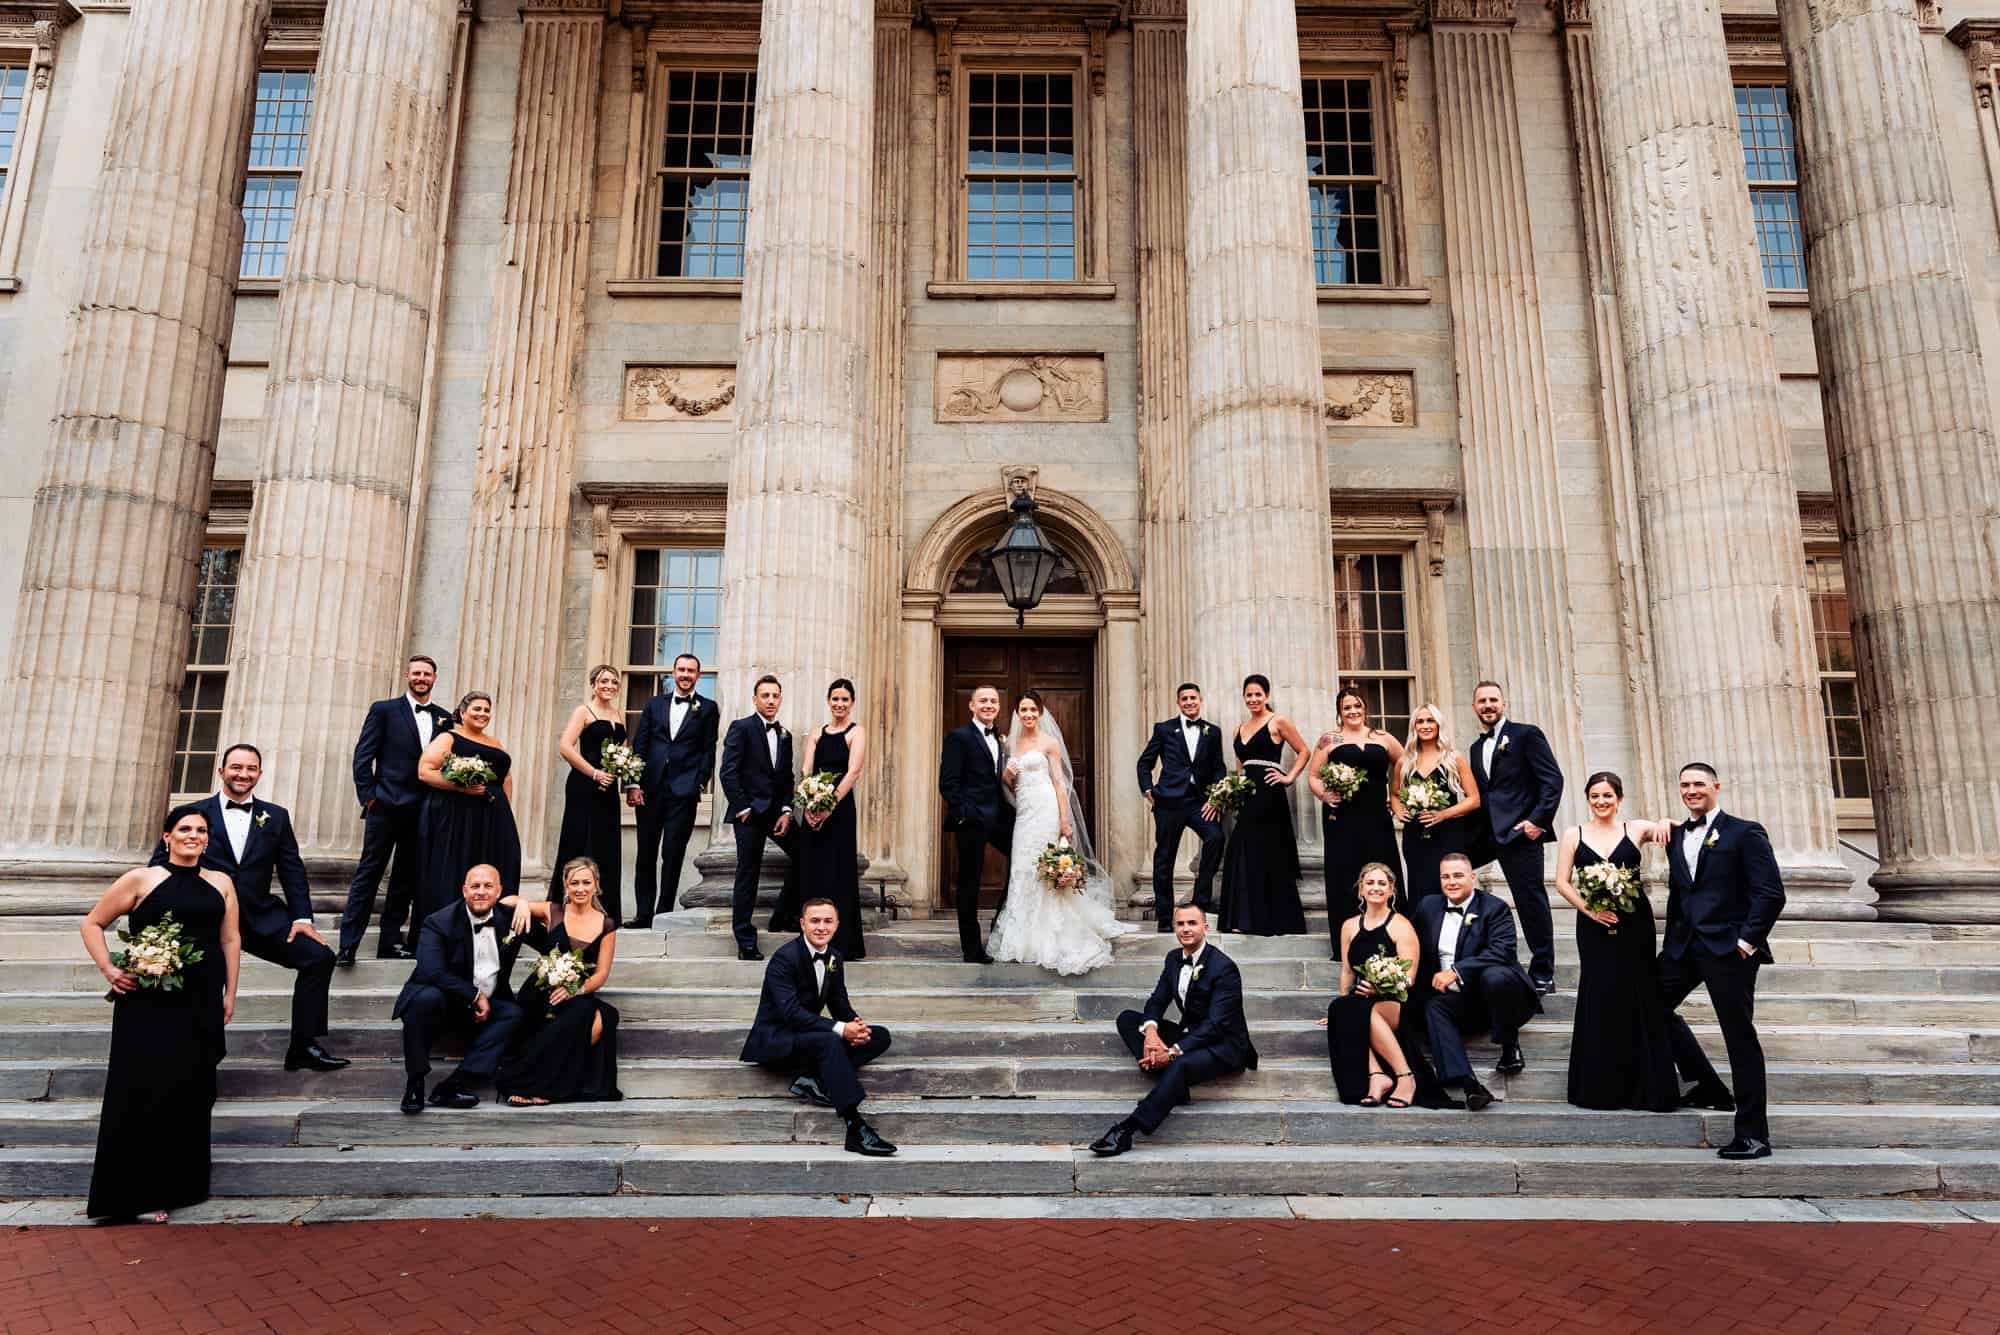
[
  {"x": 565, "y": 1051},
  {"x": 1260, "y": 865},
  {"x": 462, "y": 827},
  {"x": 159, "y": 1087},
  {"x": 1619, "y": 1052},
  {"x": 1369, "y": 1067},
  {"x": 1427, "y": 839},
  {"x": 590, "y": 824},
  {"x": 828, "y": 865},
  {"x": 1360, "y": 829}
]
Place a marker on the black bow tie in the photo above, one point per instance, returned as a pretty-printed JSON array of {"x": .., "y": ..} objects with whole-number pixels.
[
  {"x": 819, "y": 956},
  {"x": 683, "y": 699},
  {"x": 770, "y": 727},
  {"x": 1485, "y": 736},
  {"x": 988, "y": 731},
  {"x": 1694, "y": 824},
  {"x": 1459, "y": 909},
  {"x": 239, "y": 806},
  {"x": 488, "y": 926}
]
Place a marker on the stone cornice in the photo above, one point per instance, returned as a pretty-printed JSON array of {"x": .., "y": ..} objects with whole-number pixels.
[
  {"x": 20, "y": 20},
  {"x": 1490, "y": 12},
  {"x": 1028, "y": 15}
]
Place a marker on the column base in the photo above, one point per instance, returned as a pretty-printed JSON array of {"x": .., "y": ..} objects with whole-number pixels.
[
  {"x": 1825, "y": 892},
  {"x": 1937, "y": 895},
  {"x": 717, "y": 887},
  {"x": 57, "y": 881}
]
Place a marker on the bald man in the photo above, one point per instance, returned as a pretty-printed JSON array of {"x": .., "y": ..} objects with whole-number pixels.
[{"x": 460, "y": 985}]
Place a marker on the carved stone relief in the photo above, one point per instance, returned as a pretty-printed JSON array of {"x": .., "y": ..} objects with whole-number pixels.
[
  {"x": 1370, "y": 398},
  {"x": 998, "y": 387},
  {"x": 680, "y": 393}
]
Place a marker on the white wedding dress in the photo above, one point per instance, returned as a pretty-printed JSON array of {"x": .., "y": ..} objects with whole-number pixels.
[{"x": 1067, "y": 931}]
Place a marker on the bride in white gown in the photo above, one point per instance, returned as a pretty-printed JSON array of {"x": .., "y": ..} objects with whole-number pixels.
[{"x": 1068, "y": 931}]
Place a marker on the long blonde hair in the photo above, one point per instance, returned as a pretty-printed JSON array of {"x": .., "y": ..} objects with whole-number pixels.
[
  {"x": 1448, "y": 757},
  {"x": 559, "y": 892}
]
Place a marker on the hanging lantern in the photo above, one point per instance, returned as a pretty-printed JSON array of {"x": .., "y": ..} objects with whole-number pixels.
[{"x": 1023, "y": 561}]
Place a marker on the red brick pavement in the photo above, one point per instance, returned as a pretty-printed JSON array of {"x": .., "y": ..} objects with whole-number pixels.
[{"x": 726, "y": 1277}]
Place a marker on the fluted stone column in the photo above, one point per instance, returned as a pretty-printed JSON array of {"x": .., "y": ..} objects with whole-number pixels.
[
  {"x": 1262, "y": 566},
  {"x": 318, "y": 619},
  {"x": 1909, "y": 425},
  {"x": 113, "y": 548},
  {"x": 1717, "y": 503},
  {"x": 518, "y": 545},
  {"x": 794, "y": 565},
  {"x": 1513, "y": 494}
]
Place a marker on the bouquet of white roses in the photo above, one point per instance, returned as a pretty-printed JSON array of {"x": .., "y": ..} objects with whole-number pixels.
[
  {"x": 158, "y": 956},
  {"x": 1387, "y": 975},
  {"x": 466, "y": 771},
  {"x": 818, "y": 792},
  {"x": 622, "y": 763},
  {"x": 1230, "y": 792},
  {"x": 1422, "y": 796},
  {"x": 1059, "y": 867},
  {"x": 1606, "y": 886},
  {"x": 562, "y": 970},
  {"x": 1344, "y": 781}
]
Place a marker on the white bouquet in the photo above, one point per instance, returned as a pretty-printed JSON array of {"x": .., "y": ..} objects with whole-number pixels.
[
  {"x": 1344, "y": 781},
  {"x": 466, "y": 771},
  {"x": 1607, "y": 887},
  {"x": 1231, "y": 792},
  {"x": 819, "y": 792},
  {"x": 622, "y": 763},
  {"x": 158, "y": 956},
  {"x": 1423, "y": 796},
  {"x": 1387, "y": 974},
  {"x": 562, "y": 970}
]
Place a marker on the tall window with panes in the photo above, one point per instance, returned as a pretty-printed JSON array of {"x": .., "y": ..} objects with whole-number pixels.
[
  {"x": 1839, "y": 686},
  {"x": 1372, "y": 635},
  {"x": 704, "y": 173},
  {"x": 13, "y": 97},
  {"x": 676, "y": 609},
  {"x": 1020, "y": 176},
  {"x": 197, "y": 735},
  {"x": 283, "y": 119},
  {"x": 1344, "y": 166},
  {"x": 1771, "y": 161}
]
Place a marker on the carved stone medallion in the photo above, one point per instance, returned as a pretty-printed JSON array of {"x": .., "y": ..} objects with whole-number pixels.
[{"x": 1002, "y": 387}]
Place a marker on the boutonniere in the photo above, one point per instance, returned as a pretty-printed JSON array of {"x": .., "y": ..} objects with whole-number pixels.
[
  {"x": 1196, "y": 975},
  {"x": 510, "y": 938},
  {"x": 1471, "y": 918},
  {"x": 832, "y": 965},
  {"x": 1503, "y": 742},
  {"x": 262, "y": 816},
  {"x": 694, "y": 706},
  {"x": 1711, "y": 841}
]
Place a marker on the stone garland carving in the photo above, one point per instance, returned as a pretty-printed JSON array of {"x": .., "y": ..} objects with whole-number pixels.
[
  {"x": 1472, "y": 11},
  {"x": 1361, "y": 398},
  {"x": 1004, "y": 388},
  {"x": 679, "y": 393}
]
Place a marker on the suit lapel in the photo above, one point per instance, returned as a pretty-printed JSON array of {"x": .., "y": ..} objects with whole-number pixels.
[
  {"x": 257, "y": 819},
  {"x": 218, "y": 835}
]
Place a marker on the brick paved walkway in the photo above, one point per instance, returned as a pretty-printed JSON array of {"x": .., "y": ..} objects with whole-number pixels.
[{"x": 722, "y": 1276}]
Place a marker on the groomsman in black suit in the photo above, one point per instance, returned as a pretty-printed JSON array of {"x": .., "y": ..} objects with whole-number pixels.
[
  {"x": 393, "y": 738},
  {"x": 1468, "y": 980},
  {"x": 1212, "y": 1040},
  {"x": 1188, "y": 752},
  {"x": 757, "y": 783},
  {"x": 460, "y": 986},
  {"x": 1724, "y": 895},
  {"x": 251, "y": 841},
  {"x": 975, "y": 810},
  {"x": 676, "y": 740},
  {"x": 1520, "y": 787},
  {"x": 806, "y": 1026}
]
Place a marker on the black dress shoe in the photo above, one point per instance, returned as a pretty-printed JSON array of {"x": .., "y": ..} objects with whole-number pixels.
[
  {"x": 862, "y": 1139},
  {"x": 1511, "y": 1061},
  {"x": 1445, "y": 1100},
  {"x": 1744, "y": 1147},
  {"x": 749, "y": 953},
  {"x": 1543, "y": 986},
  {"x": 637, "y": 925},
  {"x": 1717, "y": 1100},
  {"x": 979, "y": 959},
  {"x": 344, "y": 959},
  {"x": 313, "y": 1057},
  {"x": 449, "y": 1095},
  {"x": 1112, "y": 1143},
  {"x": 413, "y": 1097},
  {"x": 1477, "y": 1096},
  {"x": 1166, "y": 927},
  {"x": 395, "y": 952},
  {"x": 805, "y": 1087}
]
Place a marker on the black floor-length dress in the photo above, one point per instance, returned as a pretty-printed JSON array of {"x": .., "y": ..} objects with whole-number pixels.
[
  {"x": 828, "y": 867},
  {"x": 590, "y": 824},
  {"x": 553, "y": 1057},
  {"x": 159, "y": 1087},
  {"x": 1619, "y": 1055},
  {"x": 1349, "y": 1017},
  {"x": 1425, "y": 846},
  {"x": 1260, "y": 866},
  {"x": 459, "y": 831},
  {"x": 1359, "y": 831}
]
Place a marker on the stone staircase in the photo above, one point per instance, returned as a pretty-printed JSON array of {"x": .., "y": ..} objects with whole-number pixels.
[{"x": 1884, "y": 1043}]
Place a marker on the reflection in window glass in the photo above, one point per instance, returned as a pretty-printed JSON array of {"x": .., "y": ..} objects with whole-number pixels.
[{"x": 1020, "y": 165}]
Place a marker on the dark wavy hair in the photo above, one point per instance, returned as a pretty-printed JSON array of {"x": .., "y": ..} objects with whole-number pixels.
[
  {"x": 182, "y": 812},
  {"x": 1605, "y": 776}
]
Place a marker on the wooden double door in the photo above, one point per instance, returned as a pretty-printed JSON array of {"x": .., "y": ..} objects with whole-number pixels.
[{"x": 1063, "y": 672}]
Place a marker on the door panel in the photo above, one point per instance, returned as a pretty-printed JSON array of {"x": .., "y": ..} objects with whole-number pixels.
[{"x": 1062, "y": 671}]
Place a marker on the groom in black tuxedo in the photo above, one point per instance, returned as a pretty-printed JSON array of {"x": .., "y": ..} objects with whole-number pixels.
[
  {"x": 676, "y": 740},
  {"x": 1212, "y": 1040},
  {"x": 1724, "y": 895},
  {"x": 1468, "y": 980},
  {"x": 1188, "y": 752},
  {"x": 393, "y": 739},
  {"x": 460, "y": 985},
  {"x": 757, "y": 784},
  {"x": 251, "y": 841},
  {"x": 806, "y": 1026},
  {"x": 1520, "y": 787},
  {"x": 975, "y": 810}
]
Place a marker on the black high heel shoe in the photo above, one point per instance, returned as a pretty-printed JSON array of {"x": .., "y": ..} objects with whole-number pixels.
[
  {"x": 1371, "y": 1099},
  {"x": 1392, "y": 1101}
]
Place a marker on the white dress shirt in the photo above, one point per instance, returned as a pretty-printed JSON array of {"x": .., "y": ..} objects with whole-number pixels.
[
  {"x": 485, "y": 955},
  {"x": 992, "y": 741},
  {"x": 771, "y": 741},
  {"x": 422, "y": 716},
  {"x": 819, "y": 981},
  {"x": 1189, "y": 963},
  {"x": 1487, "y": 744},
  {"x": 1447, "y": 943},
  {"x": 1691, "y": 842},
  {"x": 1191, "y": 734},
  {"x": 236, "y": 824},
  {"x": 677, "y": 712}
]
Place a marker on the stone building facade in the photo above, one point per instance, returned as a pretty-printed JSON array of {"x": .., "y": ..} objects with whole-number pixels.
[{"x": 1626, "y": 351}]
